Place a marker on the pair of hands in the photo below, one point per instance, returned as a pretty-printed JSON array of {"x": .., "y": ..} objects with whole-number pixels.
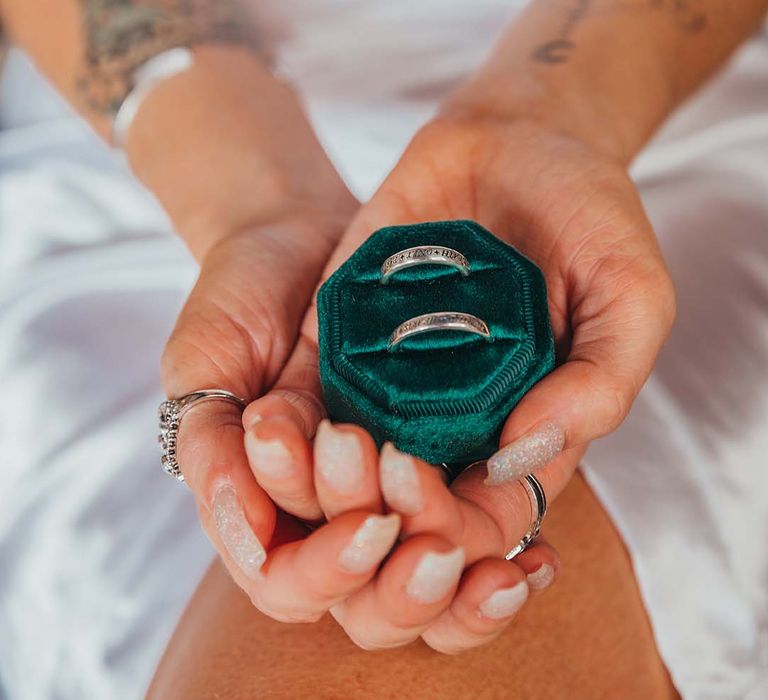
[{"x": 258, "y": 476}]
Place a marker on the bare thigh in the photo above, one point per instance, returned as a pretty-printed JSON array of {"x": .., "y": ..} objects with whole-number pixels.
[{"x": 586, "y": 638}]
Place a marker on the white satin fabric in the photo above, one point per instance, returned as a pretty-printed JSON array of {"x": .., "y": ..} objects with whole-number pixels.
[{"x": 99, "y": 551}]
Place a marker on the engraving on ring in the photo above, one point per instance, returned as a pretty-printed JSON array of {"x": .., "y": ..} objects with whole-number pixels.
[
  {"x": 438, "y": 321},
  {"x": 423, "y": 255}
]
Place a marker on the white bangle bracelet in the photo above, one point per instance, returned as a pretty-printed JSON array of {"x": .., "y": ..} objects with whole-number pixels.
[{"x": 145, "y": 79}]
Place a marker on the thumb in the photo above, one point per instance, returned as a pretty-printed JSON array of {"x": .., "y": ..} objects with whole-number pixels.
[{"x": 588, "y": 396}]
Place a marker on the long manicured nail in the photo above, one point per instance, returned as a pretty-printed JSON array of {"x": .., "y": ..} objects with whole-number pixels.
[
  {"x": 435, "y": 575},
  {"x": 235, "y": 532},
  {"x": 526, "y": 454},
  {"x": 370, "y": 543},
  {"x": 339, "y": 458},
  {"x": 505, "y": 602},
  {"x": 399, "y": 480},
  {"x": 541, "y": 578},
  {"x": 269, "y": 457}
]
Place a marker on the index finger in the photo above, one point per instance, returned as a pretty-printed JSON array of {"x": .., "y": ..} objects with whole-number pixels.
[{"x": 235, "y": 512}]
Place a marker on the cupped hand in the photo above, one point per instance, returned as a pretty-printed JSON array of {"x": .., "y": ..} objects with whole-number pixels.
[
  {"x": 440, "y": 582},
  {"x": 575, "y": 212},
  {"x": 236, "y": 331}
]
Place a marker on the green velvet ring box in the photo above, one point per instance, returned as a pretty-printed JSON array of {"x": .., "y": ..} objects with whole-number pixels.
[{"x": 444, "y": 395}]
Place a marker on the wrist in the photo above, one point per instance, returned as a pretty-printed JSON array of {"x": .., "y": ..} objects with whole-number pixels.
[
  {"x": 319, "y": 224},
  {"x": 563, "y": 109},
  {"x": 307, "y": 236},
  {"x": 606, "y": 92},
  {"x": 225, "y": 147}
]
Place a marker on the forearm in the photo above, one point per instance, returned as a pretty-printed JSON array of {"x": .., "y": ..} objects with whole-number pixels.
[
  {"x": 223, "y": 145},
  {"x": 607, "y": 71}
]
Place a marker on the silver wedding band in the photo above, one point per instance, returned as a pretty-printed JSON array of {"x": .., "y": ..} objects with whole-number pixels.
[
  {"x": 538, "y": 501},
  {"x": 438, "y": 321},
  {"x": 170, "y": 413},
  {"x": 423, "y": 255}
]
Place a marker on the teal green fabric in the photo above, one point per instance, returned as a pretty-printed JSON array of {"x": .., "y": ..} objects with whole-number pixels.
[{"x": 442, "y": 396}]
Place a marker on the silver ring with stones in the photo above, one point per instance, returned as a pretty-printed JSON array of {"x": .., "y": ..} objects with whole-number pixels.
[
  {"x": 423, "y": 255},
  {"x": 170, "y": 413},
  {"x": 538, "y": 500},
  {"x": 438, "y": 321}
]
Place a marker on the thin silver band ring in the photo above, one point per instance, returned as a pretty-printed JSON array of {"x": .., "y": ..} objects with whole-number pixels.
[
  {"x": 538, "y": 510},
  {"x": 438, "y": 321},
  {"x": 423, "y": 255},
  {"x": 170, "y": 413}
]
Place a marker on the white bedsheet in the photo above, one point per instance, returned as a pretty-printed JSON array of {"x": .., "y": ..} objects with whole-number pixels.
[{"x": 99, "y": 550}]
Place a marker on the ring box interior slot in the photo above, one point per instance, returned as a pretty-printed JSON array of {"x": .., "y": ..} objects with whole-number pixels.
[{"x": 442, "y": 396}]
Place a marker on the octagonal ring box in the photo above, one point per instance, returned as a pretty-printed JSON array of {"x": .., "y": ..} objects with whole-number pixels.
[{"x": 442, "y": 396}]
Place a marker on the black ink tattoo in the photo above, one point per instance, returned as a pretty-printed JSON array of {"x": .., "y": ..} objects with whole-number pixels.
[
  {"x": 559, "y": 49},
  {"x": 686, "y": 13},
  {"x": 121, "y": 35}
]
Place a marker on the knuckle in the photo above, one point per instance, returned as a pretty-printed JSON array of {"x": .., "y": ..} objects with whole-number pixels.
[
  {"x": 367, "y": 645},
  {"x": 660, "y": 301},
  {"x": 612, "y": 399},
  {"x": 502, "y": 514},
  {"x": 460, "y": 639},
  {"x": 444, "y": 644},
  {"x": 286, "y": 614},
  {"x": 169, "y": 357},
  {"x": 371, "y": 637},
  {"x": 320, "y": 586},
  {"x": 306, "y": 402},
  {"x": 668, "y": 304},
  {"x": 371, "y": 644},
  {"x": 292, "y": 616},
  {"x": 616, "y": 404}
]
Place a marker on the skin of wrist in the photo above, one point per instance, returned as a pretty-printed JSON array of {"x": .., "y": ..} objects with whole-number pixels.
[
  {"x": 310, "y": 235},
  {"x": 321, "y": 223},
  {"x": 568, "y": 112},
  {"x": 225, "y": 146}
]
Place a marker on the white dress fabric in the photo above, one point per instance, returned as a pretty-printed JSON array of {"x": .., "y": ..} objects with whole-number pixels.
[{"x": 100, "y": 551}]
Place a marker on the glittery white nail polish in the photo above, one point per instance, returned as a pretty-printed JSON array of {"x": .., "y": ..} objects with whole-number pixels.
[
  {"x": 235, "y": 532},
  {"x": 370, "y": 543},
  {"x": 526, "y": 454},
  {"x": 339, "y": 458},
  {"x": 505, "y": 601},
  {"x": 268, "y": 457},
  {"x": 399, "y": 480},
  {"x": 435, "y": 575},
  {"x": 541, "y": 578}
]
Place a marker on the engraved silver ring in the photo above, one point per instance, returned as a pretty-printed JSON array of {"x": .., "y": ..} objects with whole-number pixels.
[
  {"x": 170, "y": 414},
  {"x": 438, "y": 321},
  {"x": 423, "y": 255}
]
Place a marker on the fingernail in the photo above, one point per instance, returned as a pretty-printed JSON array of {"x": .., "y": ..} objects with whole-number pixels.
[
  {"x": 250, "y": 419},
  {"x": 541, "y": 578},
  {"x": 235, "y": 532},
  {"x": 505, "y": 602},
  {"x": 268, "y": 457},
  {"x": 370, "y": 543},
  {"x": 435, "y": 575},
  {"x": 399, "y": 480},
  {"x": 339, "y": 458},
  {"x": 526, "y": 454}
]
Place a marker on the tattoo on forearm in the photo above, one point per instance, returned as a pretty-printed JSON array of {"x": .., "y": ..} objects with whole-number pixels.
[
  {"x": 687, "y": 14},
  {"x": 121, "y": 35},
  {"x": 559, "y": 49}
]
